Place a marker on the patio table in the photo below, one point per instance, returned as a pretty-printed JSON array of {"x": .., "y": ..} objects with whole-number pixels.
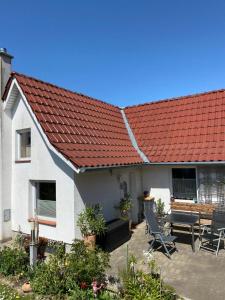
[{"x": 184, "y": 219}]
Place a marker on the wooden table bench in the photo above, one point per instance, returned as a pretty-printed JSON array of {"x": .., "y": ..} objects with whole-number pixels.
[{"x": 204, "y": 210}]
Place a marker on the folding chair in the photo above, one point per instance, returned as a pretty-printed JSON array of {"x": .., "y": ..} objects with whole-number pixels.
[
  {"x": 211, "y": 235},
  {"x": 158, "y": 235}
]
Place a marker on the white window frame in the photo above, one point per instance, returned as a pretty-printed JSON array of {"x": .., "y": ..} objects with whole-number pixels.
[
  {"x": 18, "y": 144},
  {"x": 33, "y": 200}
]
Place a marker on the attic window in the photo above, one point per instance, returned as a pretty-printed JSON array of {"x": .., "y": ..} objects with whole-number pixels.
[{"x": 23, "y": 144}]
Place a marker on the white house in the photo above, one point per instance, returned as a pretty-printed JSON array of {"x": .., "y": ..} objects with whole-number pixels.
[{"x": 61, "y": 150}]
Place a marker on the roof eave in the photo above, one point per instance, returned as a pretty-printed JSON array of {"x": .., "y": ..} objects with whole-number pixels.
[{"x": 10, "y": 99}]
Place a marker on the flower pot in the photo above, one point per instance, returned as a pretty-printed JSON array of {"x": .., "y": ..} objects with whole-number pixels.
[
  {"x": 26, "y": 287},
  {"x": 90, "y": 241}
]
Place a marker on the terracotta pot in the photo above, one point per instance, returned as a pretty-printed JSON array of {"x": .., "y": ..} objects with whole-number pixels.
[
  {"x": 26, "y": 287},
  {"x": 90, "y": 241}
]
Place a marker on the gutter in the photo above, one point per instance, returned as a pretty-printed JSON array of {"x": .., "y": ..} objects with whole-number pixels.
[{"x": 84, "y": 169}]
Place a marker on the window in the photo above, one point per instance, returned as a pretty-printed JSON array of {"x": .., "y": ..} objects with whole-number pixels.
[
  {"x": 24, "y": 144},
  {"x": 45, "y": 199},
  {"x": 184, "y": 183}
]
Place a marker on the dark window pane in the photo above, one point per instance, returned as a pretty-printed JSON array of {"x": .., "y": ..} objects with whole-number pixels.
[
  {"x": 47, "y": 191},
  {"x": 184, "y": 183},
  {"x": 46, "y": 202}
]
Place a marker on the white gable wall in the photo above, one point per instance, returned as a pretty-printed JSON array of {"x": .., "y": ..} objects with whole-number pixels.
[{"x": 44, "y": 165}]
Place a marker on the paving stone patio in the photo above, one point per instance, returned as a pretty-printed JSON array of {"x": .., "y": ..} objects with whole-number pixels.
[{"x": 196, "y": 276}]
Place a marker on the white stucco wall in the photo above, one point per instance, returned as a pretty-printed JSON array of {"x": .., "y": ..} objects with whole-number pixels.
[
  {"x": 44, "y": 165},
  {"x": 103, "y": 187},
  {"x": 158, "y": 181}
]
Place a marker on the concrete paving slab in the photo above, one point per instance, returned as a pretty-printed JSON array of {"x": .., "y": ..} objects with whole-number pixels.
[{"x": 196, "y": 276}]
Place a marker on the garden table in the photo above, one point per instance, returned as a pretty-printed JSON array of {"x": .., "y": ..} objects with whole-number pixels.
[{"x": 181, "y": 218}]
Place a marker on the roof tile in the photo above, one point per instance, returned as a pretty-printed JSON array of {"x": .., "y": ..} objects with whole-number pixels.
[
  {"x": 188, "y": 129},
  {"x": 88, "y": 132}
]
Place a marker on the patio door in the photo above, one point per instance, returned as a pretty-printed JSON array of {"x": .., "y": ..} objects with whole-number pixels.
[{"x": 184, "y": 183}]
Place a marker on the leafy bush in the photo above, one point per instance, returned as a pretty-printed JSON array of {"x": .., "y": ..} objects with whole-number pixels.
[
  {"x": 23, "y": 241},
  {"x": 63, "y": 272},
  {"x": 143, "y": 286},
  {"x": 48, "y": 277},
  {"x": 85, "y": 265},
  {"x": 137, "y": 285},
  {"x": 84, "y": 294},
  {"x": 13, "y": 261},
  {"x": 91, "y": 221}
]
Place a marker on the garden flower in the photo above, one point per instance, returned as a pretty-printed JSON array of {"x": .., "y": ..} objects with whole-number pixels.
[{"x": 83, "y": 285}]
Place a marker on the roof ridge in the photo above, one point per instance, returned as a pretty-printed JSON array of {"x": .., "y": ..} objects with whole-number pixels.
[
  {"x": 176, "y": 98},
  {"x": 62, "y": 88}
]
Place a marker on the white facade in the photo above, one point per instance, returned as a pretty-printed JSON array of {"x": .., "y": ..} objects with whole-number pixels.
[{"x": 44, "y": 166}]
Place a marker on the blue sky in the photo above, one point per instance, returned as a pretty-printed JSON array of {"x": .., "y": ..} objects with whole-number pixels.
[{"x": 121, "y": 51}]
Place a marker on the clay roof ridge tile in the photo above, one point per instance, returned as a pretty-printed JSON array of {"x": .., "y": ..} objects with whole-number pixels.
[
  {"x": 195, "y": 95},
  {"x": 63, "y": 89}
]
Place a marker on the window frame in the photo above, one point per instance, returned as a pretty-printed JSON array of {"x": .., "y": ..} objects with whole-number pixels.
[
  {"x": 34, "y": 184},
  {"x": 196, "y": 183},
  {"x": 18, "y": 145}
]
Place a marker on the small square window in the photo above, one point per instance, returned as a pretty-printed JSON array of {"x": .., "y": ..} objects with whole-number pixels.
[{"x": 24, "y": 144}]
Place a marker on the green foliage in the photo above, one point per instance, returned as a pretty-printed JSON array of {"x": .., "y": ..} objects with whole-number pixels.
[
  {"x": 22, "y": 241},
  {"x": 85, "y": 265},
  {"x": 142, "y": 286},
  {"x": 84, "y": 294},
  {"x": 125, "y": 203},
  {"x": 125, "y": 206},
  {"x": 13, "y": 261},
  {"x": 63, "y": 272},
  {"x": 48, "y": 278},
  {"x": 137, "y": 285},
  {"x": 8, "y": 293},
  {"x": 160, "y": 206},
  {"x": 91, "y": 221}
]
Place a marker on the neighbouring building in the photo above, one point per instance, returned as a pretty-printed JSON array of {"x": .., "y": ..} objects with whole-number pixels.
[{"x": 61, "y": 150}]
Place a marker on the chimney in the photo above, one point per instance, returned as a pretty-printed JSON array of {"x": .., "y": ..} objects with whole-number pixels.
[{"x": 5, "y": 68}]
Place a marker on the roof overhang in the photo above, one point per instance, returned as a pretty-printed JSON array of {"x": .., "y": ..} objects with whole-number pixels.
[{"x": 13, "y": 93}]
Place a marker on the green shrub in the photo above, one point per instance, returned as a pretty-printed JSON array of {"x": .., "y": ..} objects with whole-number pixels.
[
  {"x": 48, "y": 278},
  {"x": 13, "y": 261},
  {"x": 91, "y": 221},
  {"x": 142, "y": 286},
  {"x": 65, "y": 272},
  {"x": 85, "y": 265},
  {"x": 138, "y": 285},
  {"x": 80, "y": 294}
]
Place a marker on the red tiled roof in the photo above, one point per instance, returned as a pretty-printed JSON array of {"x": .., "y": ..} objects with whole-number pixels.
[
  {"x": 88, "y": 132},
  {"x": 185, "y": 129}
]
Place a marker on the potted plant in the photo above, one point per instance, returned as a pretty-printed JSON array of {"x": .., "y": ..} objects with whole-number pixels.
[
  {"x": 125, "y": 206},
  {"x": 160, "y": 206},
  {"x": 91, "y": 222}
]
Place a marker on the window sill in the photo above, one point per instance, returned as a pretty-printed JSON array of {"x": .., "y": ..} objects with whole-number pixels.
[
  {"x": 44, "y": 222},
  {"x": 23, "y": 161}
]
